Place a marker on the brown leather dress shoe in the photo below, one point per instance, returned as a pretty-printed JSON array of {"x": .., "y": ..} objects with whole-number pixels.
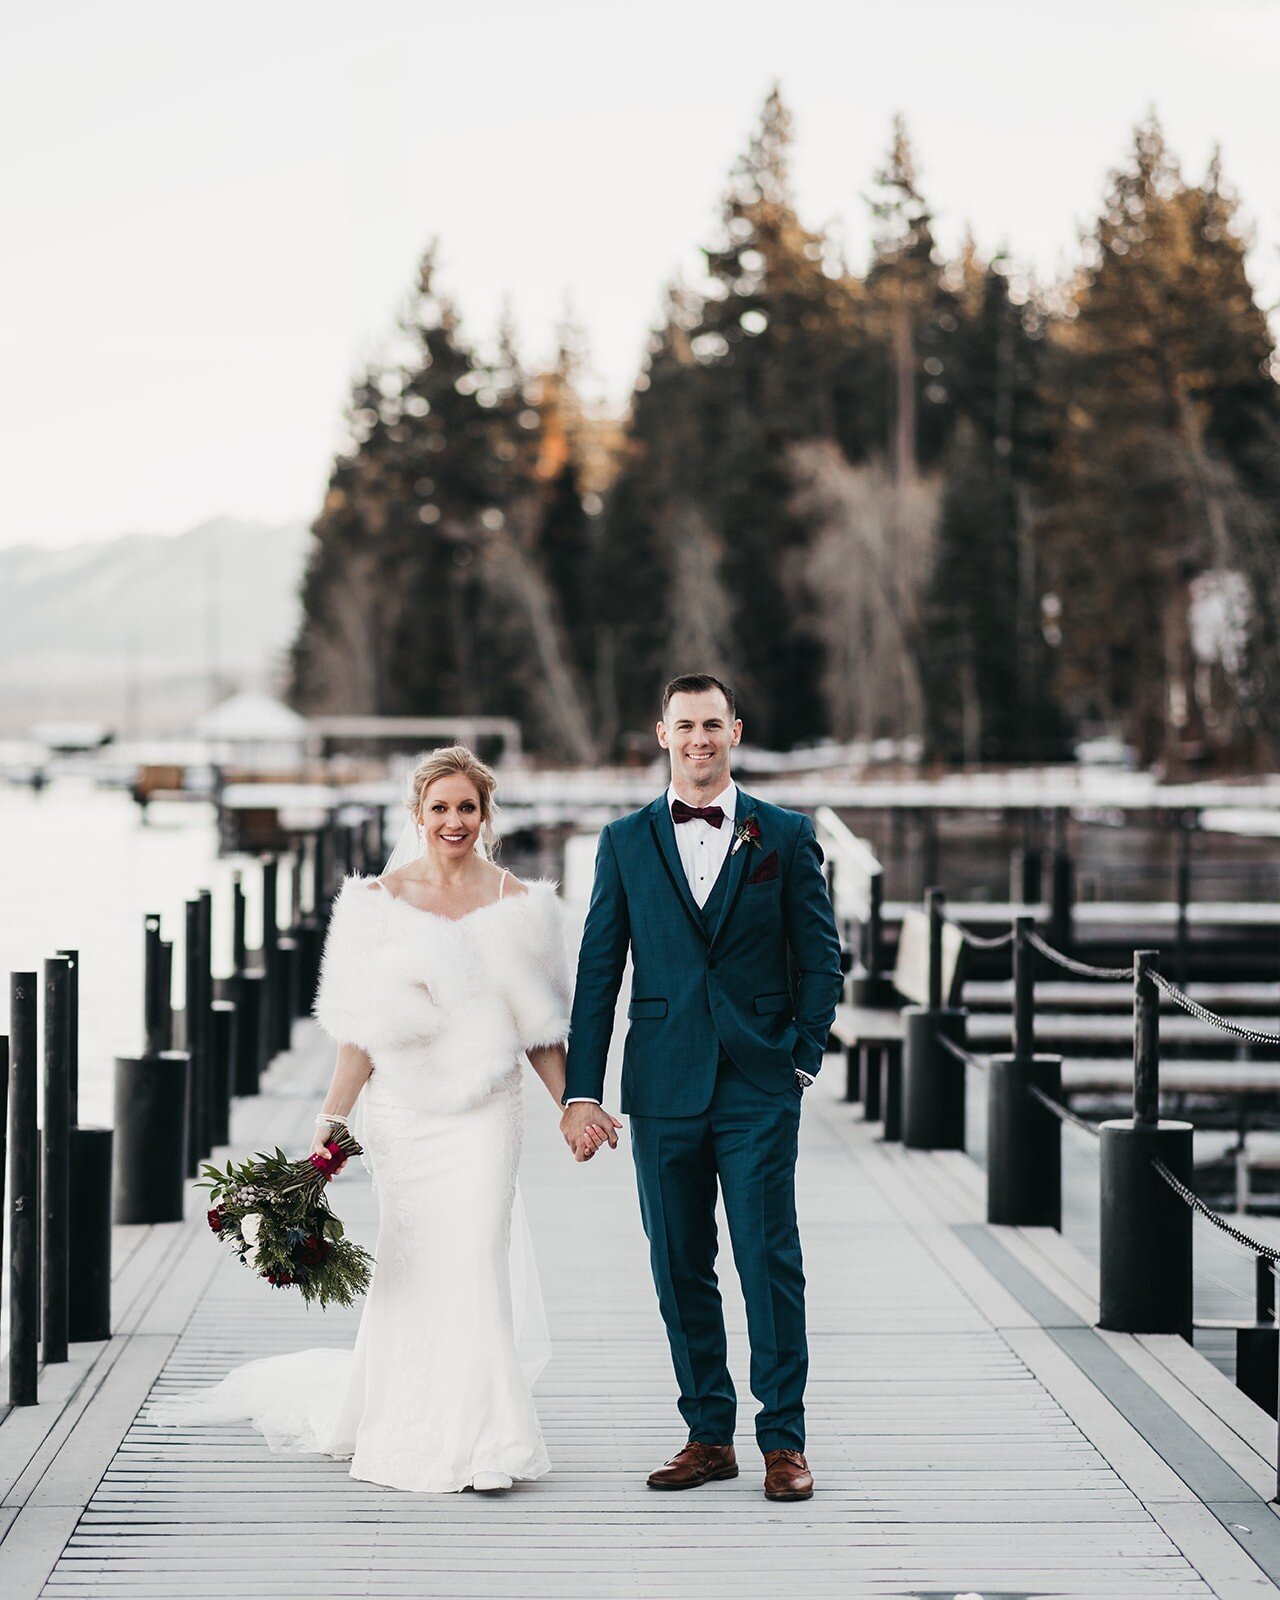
[
  {"x": 787, "y": 1476},
  {"x": 696, "y": 1464}
]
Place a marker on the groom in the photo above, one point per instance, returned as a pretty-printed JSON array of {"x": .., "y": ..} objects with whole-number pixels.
[{"x": 721, "y": 901}]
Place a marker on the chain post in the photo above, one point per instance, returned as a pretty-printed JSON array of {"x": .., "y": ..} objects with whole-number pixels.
[
  {"x": 1146, "y": 1039},
  {"x": 1024, "y": 991},
  {"x": 935, "y": 904}
]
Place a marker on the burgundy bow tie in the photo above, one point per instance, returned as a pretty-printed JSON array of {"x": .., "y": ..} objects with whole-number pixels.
[{"x": 680, "y": 812}]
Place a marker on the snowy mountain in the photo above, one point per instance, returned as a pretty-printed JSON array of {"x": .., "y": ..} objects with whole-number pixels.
[{"x": 145, "y": 631}]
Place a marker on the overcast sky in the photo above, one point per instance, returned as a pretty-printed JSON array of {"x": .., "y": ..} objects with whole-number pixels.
[{"x": 212, "y": 211}]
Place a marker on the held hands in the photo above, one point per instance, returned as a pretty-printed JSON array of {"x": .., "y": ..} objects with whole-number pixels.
[{"x": 586, "y": 1126}]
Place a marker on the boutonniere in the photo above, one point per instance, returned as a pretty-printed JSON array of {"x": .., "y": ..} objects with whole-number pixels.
[{"x": 747, "y": 832}]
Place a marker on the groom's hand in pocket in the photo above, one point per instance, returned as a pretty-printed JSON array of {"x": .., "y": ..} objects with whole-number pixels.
[{"x": 586, "y": 1126}]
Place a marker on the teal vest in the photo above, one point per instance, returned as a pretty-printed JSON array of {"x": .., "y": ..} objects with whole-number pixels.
[{"x": 711, "y": 911}]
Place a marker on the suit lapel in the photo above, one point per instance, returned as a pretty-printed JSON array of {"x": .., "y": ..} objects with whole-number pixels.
[
  {"x": 735, "y": 866},
  {"x": 664, "y": 837}
]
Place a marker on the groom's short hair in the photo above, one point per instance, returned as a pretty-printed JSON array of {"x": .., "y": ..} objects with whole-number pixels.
[{"x": 697, "y": 683}]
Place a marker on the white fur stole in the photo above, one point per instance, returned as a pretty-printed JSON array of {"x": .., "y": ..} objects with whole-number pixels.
[{"x": 443, "y": 1008}]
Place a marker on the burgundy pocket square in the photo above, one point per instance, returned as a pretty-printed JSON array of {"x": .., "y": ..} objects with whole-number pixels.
[{"x": 767, "y": 871}]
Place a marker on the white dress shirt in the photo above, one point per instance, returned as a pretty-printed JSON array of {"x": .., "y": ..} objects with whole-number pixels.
[{"x": 702, "y": 847}]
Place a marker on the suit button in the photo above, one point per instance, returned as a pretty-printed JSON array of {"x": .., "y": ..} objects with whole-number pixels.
[{"x": 711, "y": 966}]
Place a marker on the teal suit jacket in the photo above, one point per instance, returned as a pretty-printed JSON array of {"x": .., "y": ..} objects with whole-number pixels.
[{"x": 761, "y": 984}]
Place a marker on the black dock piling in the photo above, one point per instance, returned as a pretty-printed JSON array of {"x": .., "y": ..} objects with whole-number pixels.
[
  {"x": 249, "y": 1032},
  {"x": 155, "y": 996},
  {"x": 56, "y": 1152},
  {"x": 73, "y": 1032},
  {"x": 4, "y": 1130},
  {"x": 222, "y": 1063},
  {"x": 204, "y": 972},
  {"x": 151, "y": 1124},
  {"x": 933, "y": 1082},
  {"x": 279, "y": 1024},
  {"x": 284, "y": 1000},
  {"x": 24, "y": 1176},
  {"x": 239, "y": 952},
  {"x": 193, "y": 1041},
  {"x": 1145, "y": 1228},
  {"x": 1024, "y": 1138},
  {"x": 1188, "y": 822},
  {"x": 1258, "y": 1346},
  {"x": 166, "y": 990},
  {"x": 1062, "y": 888},
  {"x": 871, "y": 984},
  {"x": 89, "y": 1254}
]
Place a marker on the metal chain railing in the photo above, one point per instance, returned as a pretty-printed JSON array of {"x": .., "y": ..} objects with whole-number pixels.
[
  {"x": 981, "y": 941},
  {"x": 1061, "y": 1112},
  {"x": 954, "y": 1048},
  {"x": 1181, "y": 998},
  {"x": 1082, "y": 969},
  {"x": 1268, "y": 1252},
  {"x": 1264, "y": 1254}
]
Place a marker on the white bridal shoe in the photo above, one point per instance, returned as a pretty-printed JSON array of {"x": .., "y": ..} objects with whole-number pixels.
[{"x": 486, "y": 1482}]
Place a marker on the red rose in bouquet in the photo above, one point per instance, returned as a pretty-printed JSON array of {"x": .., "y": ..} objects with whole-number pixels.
[
  {"x": 311, "y": 1252},
  {"x": 330, "y": 1160}
]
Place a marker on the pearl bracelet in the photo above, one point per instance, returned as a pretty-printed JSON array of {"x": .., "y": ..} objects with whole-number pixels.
[{"x": 332, "y": 1118}]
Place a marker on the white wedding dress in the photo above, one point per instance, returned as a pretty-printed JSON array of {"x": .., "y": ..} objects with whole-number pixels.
[{"x": 435, "y": 1396}]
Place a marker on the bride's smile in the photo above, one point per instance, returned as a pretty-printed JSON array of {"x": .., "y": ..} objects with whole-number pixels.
[{"x": 451, "y": 817}]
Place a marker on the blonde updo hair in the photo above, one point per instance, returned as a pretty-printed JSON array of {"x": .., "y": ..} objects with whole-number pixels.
[{"x": 455, "y": 760}]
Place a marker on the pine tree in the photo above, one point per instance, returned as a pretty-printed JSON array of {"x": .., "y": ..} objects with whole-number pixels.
[
  {"x": 430, "y": 589},
  {"x": 1162, "y": 400},
  {"x": 911, "y": 312},
  {"x": 388, "y": 622},
  {"x": 987, "y": 668},
  {"x": 700, "y": 525},
  {"x": 446, "y": 481},
  {"x": 535, "y": 555},
  {"x": 338, "y": 662},
  {"x": 872, "y": 507},
  {"x": 633, "y": 571}
]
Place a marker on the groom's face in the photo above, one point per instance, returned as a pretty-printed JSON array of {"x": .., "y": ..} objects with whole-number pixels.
[{"x": 698, "y": 733}]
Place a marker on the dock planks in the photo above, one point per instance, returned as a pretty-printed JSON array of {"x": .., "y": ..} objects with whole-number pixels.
[{"x": 957, "y": 1445}]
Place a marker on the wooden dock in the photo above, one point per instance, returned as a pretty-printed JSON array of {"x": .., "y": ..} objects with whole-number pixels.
[{"x": 972, "y": 1434}]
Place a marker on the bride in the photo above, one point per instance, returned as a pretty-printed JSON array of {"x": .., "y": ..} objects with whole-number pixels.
[{"x": 436, "y": 979}]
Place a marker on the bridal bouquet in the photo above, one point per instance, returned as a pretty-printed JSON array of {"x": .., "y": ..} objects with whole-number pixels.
[{"x": 273, "y": 1214}]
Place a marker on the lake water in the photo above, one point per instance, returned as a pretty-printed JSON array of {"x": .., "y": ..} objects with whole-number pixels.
[{"x": 80, "y": 867}]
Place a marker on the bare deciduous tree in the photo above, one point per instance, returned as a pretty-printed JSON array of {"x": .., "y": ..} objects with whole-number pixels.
[
  {"x": 346, "y": 649},
  {"x": 864, "y": 576},
  {"x": 700, "y": 612},
  {"x": 562, "y": 702}
]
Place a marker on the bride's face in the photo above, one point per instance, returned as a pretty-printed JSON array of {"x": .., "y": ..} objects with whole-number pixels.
[{"x": 450, "y": 816}]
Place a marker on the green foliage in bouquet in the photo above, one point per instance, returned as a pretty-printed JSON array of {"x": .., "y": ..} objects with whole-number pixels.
[{"x": 273, "y": 1214}]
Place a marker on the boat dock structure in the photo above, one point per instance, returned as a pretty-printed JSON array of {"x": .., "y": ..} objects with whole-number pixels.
[
  {"x": 991, "y": 1411},
  {"x": 971, "y": 1430}
]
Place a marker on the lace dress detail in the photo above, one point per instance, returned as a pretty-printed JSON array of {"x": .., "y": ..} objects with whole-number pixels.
[{"x": 437, "y": 1389}]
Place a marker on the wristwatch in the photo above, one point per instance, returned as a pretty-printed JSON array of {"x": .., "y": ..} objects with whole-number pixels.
[{"x": 803, "y": 1080}]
